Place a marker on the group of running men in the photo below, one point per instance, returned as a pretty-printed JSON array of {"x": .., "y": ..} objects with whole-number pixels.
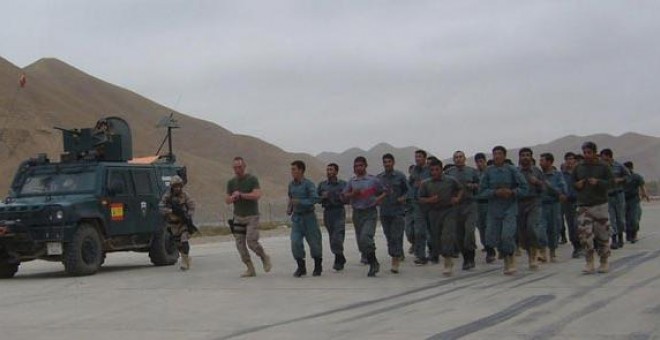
[
  {"x": 591, "y": 197},
  {"x": 439, "y": 208}
]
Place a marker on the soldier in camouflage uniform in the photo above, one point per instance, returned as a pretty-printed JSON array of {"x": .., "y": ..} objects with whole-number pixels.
[
  {"x": 592, "y": 178},
  {"x": 173, "y": 198}
]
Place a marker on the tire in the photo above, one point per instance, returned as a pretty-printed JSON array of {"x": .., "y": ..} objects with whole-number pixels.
[
  {"x": 8, "y": 270},
  {"x": 84, "y": 254},
  {"x": 163, "y": 251}
]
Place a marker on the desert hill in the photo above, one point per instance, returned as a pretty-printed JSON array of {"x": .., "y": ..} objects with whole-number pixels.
[{"x": 57, "y": 94}]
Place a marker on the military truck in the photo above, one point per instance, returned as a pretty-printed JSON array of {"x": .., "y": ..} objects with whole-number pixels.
[{"x": 97, "y": 199}]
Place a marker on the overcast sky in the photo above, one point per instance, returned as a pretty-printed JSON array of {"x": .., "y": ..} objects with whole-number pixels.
[{"x": 318, "y": 75}]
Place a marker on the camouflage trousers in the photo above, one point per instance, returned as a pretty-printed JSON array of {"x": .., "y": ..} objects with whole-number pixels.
[
  {"x": 594, "y": 229},
  {"x": 179, "y": 231},
  {"x": 250, "y": 239},
  {"x": 180, "y": 235}
]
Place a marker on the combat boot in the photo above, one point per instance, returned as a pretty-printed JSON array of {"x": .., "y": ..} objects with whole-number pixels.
[
  {"x": 509, "y": 265},
  {"x": 340, "y": 260},
  {"x": 374, "y": 266},
  {"x": 589, "y": 268},
  {"x": 302, "y": 268},
  {"x": 468, "y": 260},
  {"x": 250, "y": 269},
  {"x": 265, "y": 260},
  {"x": 395, "y": 265},
  {"x": 318, "y": 266},
  {"x": 449, "y": 266},
  {"x": 615, "y": 244},
  {"x": 542, "y": 255},
  {"x": 490, "y": 255},
  {"x": 553, "y": 255},
  {"x": 604, "y": 266},
  {"x": 185, "y": 262},
  {"x": 533, "y": 263}
]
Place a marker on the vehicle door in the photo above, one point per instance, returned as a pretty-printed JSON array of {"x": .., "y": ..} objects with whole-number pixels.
[
  {"x": 147, "y": 195},
  {"x": 122, "y": 206}
]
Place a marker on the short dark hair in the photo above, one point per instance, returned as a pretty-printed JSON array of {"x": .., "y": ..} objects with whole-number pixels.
[
  {"x": 421, "y": 152},
  {"x": 447, "y": 167},
  {"x": 520, "y": 152},
  {"x": 334, "y": 165},
  {"x": 299, "y": 164},
  {"x": 388, "y": 156},
  {"x": 500, "y": 148},
  {"x": 479, "y": 155},
  {"x": 607, "y": 152},
  {"x": 489, "y": 162},
  {"x": 433, "y": 158},
  {"x": 579, "y": 157},
  {"x": 508, "y": 161},
  {"x": 360, "y": 159},
  {"x": 569, "y": 155},
  {"x": 548, "y": 156},
  {"x": 628, "y": 165},
  {"x": 435, "y": 162},
  {"x": 590, "y": 145}
]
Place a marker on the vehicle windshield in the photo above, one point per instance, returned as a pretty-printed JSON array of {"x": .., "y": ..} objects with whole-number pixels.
[{"x": 57, "y": 183}]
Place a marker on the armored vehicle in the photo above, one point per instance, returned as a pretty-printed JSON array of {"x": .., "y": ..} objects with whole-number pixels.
[{"x": 97, "y": 199}]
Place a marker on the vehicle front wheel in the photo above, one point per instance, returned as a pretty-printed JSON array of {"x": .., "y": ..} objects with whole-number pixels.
[
  {"x": 84, "y": 254},
  {"x": 163, "y": 251},
  {"x": 8, "y": 270}
]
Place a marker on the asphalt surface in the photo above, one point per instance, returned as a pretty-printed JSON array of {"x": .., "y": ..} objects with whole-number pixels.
[{"x": 131, "y": 299}]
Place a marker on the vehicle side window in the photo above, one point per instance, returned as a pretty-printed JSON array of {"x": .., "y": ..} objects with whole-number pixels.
[
  {"x": 143, "y": 182},
  {"x": 119, "y": 181}
]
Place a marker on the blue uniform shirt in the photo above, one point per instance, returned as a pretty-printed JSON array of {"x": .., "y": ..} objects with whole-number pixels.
[
  {"x": 304, "y": 192},
  {"x": 503, "y": 176},
  {"x": 418, "y": 175},
  {"x": 334, "y": 190},
  {"x": 555, "y": 186},
  {"x": 397, "y": 186}
]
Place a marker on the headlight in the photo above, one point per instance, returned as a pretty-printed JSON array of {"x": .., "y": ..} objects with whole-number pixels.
[{"x": 59, "y": 215}]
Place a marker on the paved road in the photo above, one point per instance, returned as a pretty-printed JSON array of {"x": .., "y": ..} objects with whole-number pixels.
[{"x": 130, "y": 299}]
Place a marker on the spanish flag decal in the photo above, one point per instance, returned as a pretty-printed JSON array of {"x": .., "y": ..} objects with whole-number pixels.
[{"x": 117, "y": 211}]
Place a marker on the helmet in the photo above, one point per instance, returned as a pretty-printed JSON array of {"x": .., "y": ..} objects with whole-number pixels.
[{"x": 176, "y": 180}]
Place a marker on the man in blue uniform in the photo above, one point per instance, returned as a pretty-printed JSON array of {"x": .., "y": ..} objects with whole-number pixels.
[
  {"x": 616, "y": 198},
  {"x": 633, "y": 190},
  {"x": 392, "y": 209},
  {"x": 553, "y": 194},
  {"x": 419, "y": 173},
  {"x": 502, "y": 184},
  {"x": 568, "y": 207},
  {"x": 334, "y": 213},
  {"x": 302, "y": 198}
]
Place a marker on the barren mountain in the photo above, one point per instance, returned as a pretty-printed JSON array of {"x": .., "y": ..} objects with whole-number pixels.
[{"x": 57, "y": 94}]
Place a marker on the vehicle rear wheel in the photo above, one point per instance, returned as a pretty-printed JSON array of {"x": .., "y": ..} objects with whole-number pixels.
[
  {"x": 84, "y": 254},
  {"x": 8, "y": 270},
  {"x": 163, "y": 251}
]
